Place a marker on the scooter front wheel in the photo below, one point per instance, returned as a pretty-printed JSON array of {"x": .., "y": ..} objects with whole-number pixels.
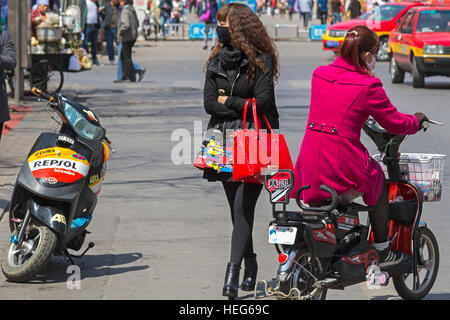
[
  {"x": 22, "y": 263},
  {"x": 427, "y": 269}
]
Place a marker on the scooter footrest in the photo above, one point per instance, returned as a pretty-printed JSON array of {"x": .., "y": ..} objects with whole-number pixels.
[
  {"x": 401, "y": 268},
  {"x": 326, "y": 283}
]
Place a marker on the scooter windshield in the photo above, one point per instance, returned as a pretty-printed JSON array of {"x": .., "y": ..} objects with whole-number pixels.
[{"x": 81, "y": 125}]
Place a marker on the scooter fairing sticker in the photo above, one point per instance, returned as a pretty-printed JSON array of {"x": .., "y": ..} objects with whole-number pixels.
[{"x": 55, "y": 166}]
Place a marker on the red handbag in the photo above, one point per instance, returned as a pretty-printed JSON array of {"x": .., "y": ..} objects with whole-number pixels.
[{"x": 255, "y": 151}]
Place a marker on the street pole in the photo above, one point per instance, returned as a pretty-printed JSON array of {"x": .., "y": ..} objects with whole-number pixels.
[{"x": 18, "y": 75}]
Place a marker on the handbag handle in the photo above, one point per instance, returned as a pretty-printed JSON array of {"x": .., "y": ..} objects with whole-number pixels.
[{"x": 255, "y": 116}]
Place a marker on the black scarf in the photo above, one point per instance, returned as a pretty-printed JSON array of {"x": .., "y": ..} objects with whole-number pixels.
[{"x": 230, "y": 58}]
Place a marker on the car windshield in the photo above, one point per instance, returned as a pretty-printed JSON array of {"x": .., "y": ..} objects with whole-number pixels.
[
  {"x": 382, "y": 13},
  {"x": 434, "y": 21}
]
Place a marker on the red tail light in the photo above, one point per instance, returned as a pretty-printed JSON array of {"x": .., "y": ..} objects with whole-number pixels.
[{"x": 282, "y": 258}]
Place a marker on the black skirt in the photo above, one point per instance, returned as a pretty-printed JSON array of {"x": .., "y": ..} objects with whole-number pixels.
[{"x": 211, "y": 175}]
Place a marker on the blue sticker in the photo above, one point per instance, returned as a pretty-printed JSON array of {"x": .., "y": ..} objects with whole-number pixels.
[
  {"x": 79, "y": 157},
  {"x": 79, "y": 222}
]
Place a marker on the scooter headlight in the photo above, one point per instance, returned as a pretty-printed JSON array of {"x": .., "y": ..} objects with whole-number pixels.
[{"x": 81, "y": 126}]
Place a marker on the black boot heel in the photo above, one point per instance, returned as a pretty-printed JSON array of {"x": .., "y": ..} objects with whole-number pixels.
[
  {"x": 231, "y": 285},
  {"x": 251, "y": 270}
]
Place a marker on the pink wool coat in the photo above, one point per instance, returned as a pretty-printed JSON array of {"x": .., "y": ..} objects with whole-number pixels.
[{"x": 331, "y": 152}]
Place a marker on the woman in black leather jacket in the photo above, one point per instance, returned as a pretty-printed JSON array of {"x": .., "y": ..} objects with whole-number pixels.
[{"x": 242, "y": 65}]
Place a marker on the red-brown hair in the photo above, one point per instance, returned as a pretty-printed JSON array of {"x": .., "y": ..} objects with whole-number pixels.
[{"x": 359, "y": 40}]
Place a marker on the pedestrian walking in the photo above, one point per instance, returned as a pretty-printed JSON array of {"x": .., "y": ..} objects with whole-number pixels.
[
  {"x": 322, "y": 11},
  {"x": 156, "y": 11},
  {"x": 90, "y": 22},
  {"x": 282, "y": 8},
  {"x": 336, "y": 7},
  {"x": 166, "y": 7},
  {"x": 209, "y": 18},
  {"x": 331, "y": 152},
  {"x": 110, "y": 13},
  {"x": 242, "y": 65},
  {"x": 354, "y": 8},
  {"x": 177, "y": 13},
  {"x": 127, "y": 33},
  {"x": 290, "y": 7},
  {"x": 305, "y": 10},
  {"x": 7, "y": 62},
  {"x": 259, "y": 7},
  {"x": 273, "y": 7},
  {"x": 200, "y": 8},
  {"x": 139, "y": 71}
]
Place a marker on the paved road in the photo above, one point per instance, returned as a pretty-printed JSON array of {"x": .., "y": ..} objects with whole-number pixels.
[{"x": 160, "y": 231}]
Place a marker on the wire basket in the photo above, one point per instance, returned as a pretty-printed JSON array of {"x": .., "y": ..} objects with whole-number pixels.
[{"x": 424, "y": 169}]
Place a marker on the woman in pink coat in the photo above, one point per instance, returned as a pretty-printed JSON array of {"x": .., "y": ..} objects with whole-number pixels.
[{"x": 343, "y": 95}]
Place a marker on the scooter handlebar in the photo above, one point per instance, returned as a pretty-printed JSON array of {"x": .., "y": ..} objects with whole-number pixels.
[
  {"x": 426, "y": 124},
  {"x": 40, "y": 93}
]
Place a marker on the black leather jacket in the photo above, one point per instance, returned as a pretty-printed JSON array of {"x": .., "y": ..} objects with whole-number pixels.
[
  {"x": 238, "y": 91},
  {"x": 230, "y": 115}
]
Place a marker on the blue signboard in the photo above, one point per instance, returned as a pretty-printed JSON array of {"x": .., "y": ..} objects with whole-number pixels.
[
  {"x": 197, "y": 31},
  {"x": 250, "y": 3},
  {"x": 317, "y": 31}
]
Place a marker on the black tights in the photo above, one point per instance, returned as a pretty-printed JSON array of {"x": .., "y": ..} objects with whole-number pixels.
[
  {"x": 242, "y": 198},
  {"x": 379, "y": 217}
]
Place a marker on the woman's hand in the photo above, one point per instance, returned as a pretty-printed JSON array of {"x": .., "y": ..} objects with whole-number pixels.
[
  {"x": 421, "y": 117},
  {"x": 222, "y": 99}
]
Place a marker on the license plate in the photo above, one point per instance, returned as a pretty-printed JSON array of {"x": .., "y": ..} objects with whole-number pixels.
[
  {"x": 332, "y": 44},
  {"x": 282, "y": 235}
]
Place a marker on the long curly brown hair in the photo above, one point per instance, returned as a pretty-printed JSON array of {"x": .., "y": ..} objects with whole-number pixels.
[{"x": 250, "y": 36}]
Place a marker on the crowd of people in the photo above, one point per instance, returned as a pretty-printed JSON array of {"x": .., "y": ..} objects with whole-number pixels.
[
  {"x": 117, "y": 19},
  {"x": 327, "y": 11}
]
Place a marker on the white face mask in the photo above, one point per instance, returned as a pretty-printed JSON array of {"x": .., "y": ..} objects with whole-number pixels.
[{"x": 372, "y": 63}]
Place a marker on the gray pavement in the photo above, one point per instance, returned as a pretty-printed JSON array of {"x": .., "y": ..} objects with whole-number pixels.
[{"x": 161, "y": 232}]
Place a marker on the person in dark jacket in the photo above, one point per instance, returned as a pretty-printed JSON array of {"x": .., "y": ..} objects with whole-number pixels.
[
  {"x": 110, "y": 11},
  {"x": 166, "y": 7},
  {"x": 322, "y": 11},
  {"x": 354, "y": 8},
  {"x": 139, "y": 71},
  {"x": 127, "y": 33},
  {"x": 211, "y": 23},
  {"x": 242, "y": 65},
  {"x": 7, "y": 62},
  {"x": 336, "y": 6}
]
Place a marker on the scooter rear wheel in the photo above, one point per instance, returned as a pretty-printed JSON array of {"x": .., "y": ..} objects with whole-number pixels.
[
  {"x": 301, "y": 278},
  {"x": 427, "y": 269},
  {"x": 22, "y": 263}
]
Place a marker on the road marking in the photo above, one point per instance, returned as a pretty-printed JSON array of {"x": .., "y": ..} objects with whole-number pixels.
[
  {"x": 187, "y": 83},
  {"x": 301, "y": 84}
]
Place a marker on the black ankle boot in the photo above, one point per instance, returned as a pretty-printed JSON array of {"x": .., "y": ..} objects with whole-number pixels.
[
  {"x": 230, "y": 287},
  {"x": 251, "y": 269}
]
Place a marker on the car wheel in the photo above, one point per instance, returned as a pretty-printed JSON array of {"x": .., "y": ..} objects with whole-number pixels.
[
  {"x": 418, "y": 76},
  {"x": 383, "y": 54},
  {"x": 397, "y": 74}
]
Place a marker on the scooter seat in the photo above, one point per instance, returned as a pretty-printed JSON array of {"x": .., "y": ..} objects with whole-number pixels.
[{"x": 345, "y": 198}]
